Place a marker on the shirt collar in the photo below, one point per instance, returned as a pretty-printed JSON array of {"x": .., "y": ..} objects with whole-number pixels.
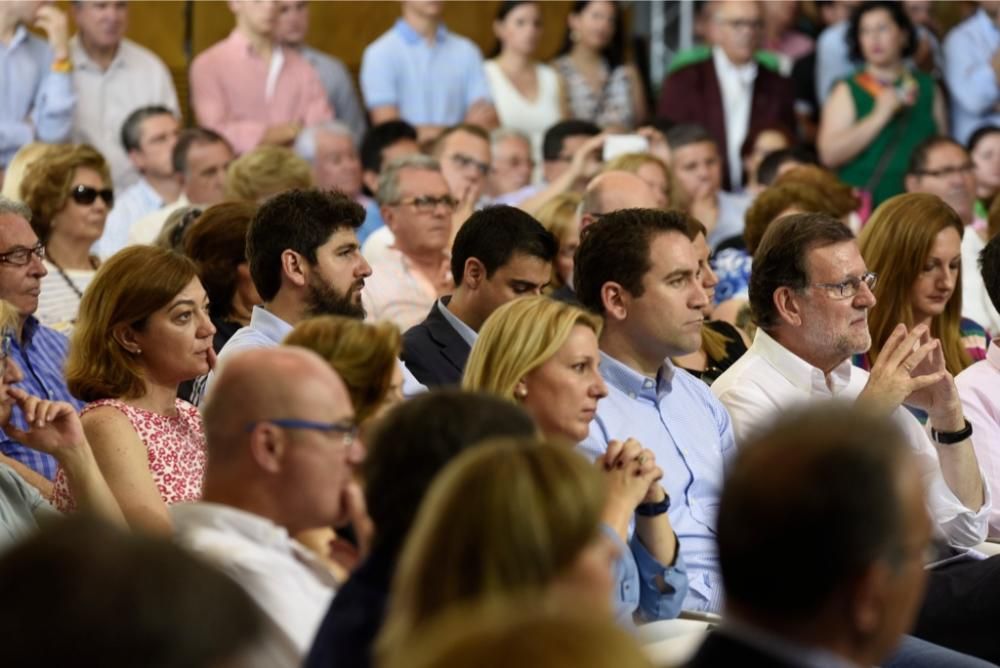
[
  {"x": 269, "y": 324},
  {"x": 633, "y": 383},
  {"x": 81, "y": 60},
  {"x": 20, "y": 35},
  {"x": 799, "y": 372},
  {"x": 411, "y": 36},
  {"x": 725, "y": 67},
  {"x": 240, "y": 41},
  {"x": 467, "y": 333}
]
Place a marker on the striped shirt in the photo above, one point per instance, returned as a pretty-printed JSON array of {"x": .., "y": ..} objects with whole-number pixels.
[
  {"x": 59, "y": 302},
  {"x": 41, "y": 355}
]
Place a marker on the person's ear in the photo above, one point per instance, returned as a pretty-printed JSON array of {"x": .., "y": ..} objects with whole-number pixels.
[
  {"x": 474, "y": 273},
  {"x": 615, "y": 299},
  {"x": 870, "y": 599},
  {"x": 788, "y": 306},
  {"x": 125, "y": 336},
  {"x": 370, "y": 179},
  {"x": 268, "y": 444},
  {"x": 293, "y": 266}
]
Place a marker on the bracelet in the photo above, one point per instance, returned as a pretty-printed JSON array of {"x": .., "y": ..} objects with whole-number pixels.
[
  {"x": 952, "y": 437},
  {"x": 62, "y": 66},
  {"x": 653, "y": 509}
]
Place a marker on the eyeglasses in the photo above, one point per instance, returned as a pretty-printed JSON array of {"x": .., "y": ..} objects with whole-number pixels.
[
  {"x": 947, "y": 171},
  {"x": 347, "y": 428},
  {"x": 850, "y": 287},
  {"x": 22, "y": 256},
  {"x": 427, "y": 203},
  {"x": 463, "y": 161},
  {"x": 86, "y": 195}
]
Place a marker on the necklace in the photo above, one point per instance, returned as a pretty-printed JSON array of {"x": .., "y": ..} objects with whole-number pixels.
[{"x": 72, "y": 286}]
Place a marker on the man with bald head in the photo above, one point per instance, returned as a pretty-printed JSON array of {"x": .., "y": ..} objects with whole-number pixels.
[{"x": 281, "y": 456}]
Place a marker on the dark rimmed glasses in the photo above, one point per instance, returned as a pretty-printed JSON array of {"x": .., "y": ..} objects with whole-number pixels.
[
  {"x": 86, "y": 195},
  {"x": 22, "y": 256},
  {"x": 850, "y": 286}
]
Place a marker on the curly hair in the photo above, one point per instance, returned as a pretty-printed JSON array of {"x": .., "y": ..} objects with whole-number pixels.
[{"x": 48, "y": 181}]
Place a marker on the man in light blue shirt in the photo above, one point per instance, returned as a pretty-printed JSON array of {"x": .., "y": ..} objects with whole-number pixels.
[
  {"x": 36, "y": 85},
  {"x": 426, "y": 75},
  {"x": 639, "y": 269},
  {"x": 972, "y": 71}
]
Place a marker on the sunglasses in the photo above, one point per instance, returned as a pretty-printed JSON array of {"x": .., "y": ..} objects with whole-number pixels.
[{"x": 86, "y": 195}]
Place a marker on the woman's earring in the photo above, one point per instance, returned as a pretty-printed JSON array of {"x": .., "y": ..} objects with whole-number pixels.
[{"x": 521, "y": 393}]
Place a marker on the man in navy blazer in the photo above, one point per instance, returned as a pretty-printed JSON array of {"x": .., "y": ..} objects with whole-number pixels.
[
  {"x": 501, "y": 253},
  {"x": 728, "y": 91}
]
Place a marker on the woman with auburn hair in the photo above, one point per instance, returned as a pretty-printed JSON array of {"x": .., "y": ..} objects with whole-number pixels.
[
  {"x": 508, "y": 518},
  {"x": 913, "y": 243},
  {"x": 365, "y": 356},
  {"x": 543, "y": 354},
  {"x": 558, "y": 216},
  {"x": 144, "y": 328},
  {"x": 69, "y": 193},
  {"x": 650, "y": 169}
]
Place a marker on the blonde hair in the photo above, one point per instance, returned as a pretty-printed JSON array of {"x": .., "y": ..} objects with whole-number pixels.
[
  {"x": 13, "y": 176},
  {"x": 49, "y": 179},
  {"x": 364, "y": 355},
  {"x": 633, "y": 162},
  {"x": 557, "y": 216},
  {"x": 266, "y": 171},
  {"x": 9, "y": 317},
  {"x": 503, "y": 632},
  {"x": 895, "y": 244},
  {"x": 518, "y": 338},
  {"x": 504, "y": 518}
]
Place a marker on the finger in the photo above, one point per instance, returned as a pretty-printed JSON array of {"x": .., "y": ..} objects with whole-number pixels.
[
  {"x": 906, "y": 346},
  {"x": 917, "y": 356},
  {"x": 892, "y": 342},
  {"x": 16, "y": 434},
  {"x": 28, "y": 407},
  {"x": 17, "y": 394},
  {"x": 613, "y": 450},
  {"x": 920, "y": 382},
  {"x": 55, "y": 409}
]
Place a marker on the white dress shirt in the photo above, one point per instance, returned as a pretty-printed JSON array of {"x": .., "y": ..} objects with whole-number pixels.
[
  {"x": 736, "y": 87},
  {"x": 289, "y": 583},
  {"x": 979, "y": 389},
  {"x": 769, "y": 380},
  {"x": 147, "y": 228}
]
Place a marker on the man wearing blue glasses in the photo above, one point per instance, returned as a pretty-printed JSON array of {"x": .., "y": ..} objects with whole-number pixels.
[
  {"x": 280, "y": 433},
  {"x": 40, "y": 352},
  {"x": 810, "y": 293}
]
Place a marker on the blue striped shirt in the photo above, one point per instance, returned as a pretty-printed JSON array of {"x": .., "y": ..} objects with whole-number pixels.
[
  {"x": 688, "y": 429},
  {"x": 41, "y": 355}
]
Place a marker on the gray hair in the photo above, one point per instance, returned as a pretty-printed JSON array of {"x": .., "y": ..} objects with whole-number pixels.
[
  {"x": 10, "y": 207},
  {"x": 305, "y": 143},
  {"x": 500, "y": 134},
  {"x": 388, "y": 180}
]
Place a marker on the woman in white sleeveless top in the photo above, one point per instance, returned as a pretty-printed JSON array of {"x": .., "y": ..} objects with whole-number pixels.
[{"x": 527, "y": 94}]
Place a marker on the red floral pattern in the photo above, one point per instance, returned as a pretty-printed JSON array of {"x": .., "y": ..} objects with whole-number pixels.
[{"x": 175, "y": 446}]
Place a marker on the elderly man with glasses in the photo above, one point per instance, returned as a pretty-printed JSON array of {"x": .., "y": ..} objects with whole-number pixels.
[
  {"x": 39, "y": 351},
  {"x": 414, "y": 271}
]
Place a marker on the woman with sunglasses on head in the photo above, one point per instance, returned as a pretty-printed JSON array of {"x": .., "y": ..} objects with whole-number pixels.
[
  {"x": 913, "y": 243},
  {"x": 69, "y": 193},
  {"x": 144, "y": 328}
]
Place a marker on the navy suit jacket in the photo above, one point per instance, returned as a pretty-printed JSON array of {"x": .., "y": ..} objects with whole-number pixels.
[
  {"x": 434, "y": 351},
  {"x": 720, "y": 649}
]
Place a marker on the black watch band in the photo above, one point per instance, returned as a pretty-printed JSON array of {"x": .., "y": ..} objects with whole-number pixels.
[
  {"x": 653, "y": 509},
  {"x": 951, "y": 437}
]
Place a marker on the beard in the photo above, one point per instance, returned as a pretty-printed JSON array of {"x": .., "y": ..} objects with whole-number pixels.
[{"x": 323, "y": 299}]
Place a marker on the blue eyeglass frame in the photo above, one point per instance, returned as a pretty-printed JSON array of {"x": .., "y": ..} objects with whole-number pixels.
[{"x": 348, "y": 429}]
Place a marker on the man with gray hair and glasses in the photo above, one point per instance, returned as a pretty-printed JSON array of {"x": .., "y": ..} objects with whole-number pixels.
[
  {"x": 413, "y": 272},
  {"x": 39, "y": 351}
]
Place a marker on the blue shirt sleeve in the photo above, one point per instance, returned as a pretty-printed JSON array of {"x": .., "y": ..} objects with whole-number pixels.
[
  {"x": 625, "y": 579},
  {"x": 970, "y": 78},
  {"x": 378, "y": 76},
  {"x": 654, "y": 604},
  {"x": 476, "y": 87},
  {"x": 53, "y": 108}
]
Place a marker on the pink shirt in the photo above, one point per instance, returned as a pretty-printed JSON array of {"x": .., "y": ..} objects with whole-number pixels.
[
  {"x": 979, "y": 389},
  {"x": 235, "y": 92},
  {"x": 396, "y": 291}
]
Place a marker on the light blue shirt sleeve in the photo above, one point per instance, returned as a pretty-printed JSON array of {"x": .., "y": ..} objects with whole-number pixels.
[
  {"x": 654, "y": 604},
  {"x": 378, "y": 76},
  {"x": 53, "y": 108},
  {"x": 625, "y": 579},
  {"x": 476, "y": 87},
  {"x": 971, "y": 80}
]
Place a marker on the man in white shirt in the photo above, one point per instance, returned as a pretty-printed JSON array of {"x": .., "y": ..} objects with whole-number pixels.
[
  {"x": 972, "y": 71},
  {"x": 149, "y": 135},
  {"x": 112, "y": 76},
  {"x": 810, "y": 294},
  {"x": 282, "y": 453}
]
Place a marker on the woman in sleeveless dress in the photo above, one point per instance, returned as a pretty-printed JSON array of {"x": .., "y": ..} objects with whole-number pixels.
[{"x": 144, "y": 328}]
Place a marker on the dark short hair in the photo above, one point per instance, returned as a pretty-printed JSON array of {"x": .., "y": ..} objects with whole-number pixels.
[
  {"x": 217, "y": 243},
  {"x": 131, "y": 132},
  {"x": 898, "y": 16},
  {"x": 767, "y": 172},
  {"x": 922, "y": 152},
  {"x": 417, "y": 439},
  {"x": 380, "y": 137},
  {"x": 685, "y": 134},
  {"x": 495, "y": 234},
  {"x": 989, "y": 265},
  {"x": 552, "y": 142},
  {"x": 616, "y": 249},
  {"x": 780, "y": 260},
  {"x": 467, "y": 128},
  {"x": 191, "y": 137},
  {"x": 819, "y": 487},
  {"x": 980, "y": 134},
  {"x": 298, "y": 220},
  {"x": 178, "y": 610}
]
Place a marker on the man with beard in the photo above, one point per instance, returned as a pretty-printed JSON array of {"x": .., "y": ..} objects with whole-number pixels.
[{"x": 304, "y": 260}]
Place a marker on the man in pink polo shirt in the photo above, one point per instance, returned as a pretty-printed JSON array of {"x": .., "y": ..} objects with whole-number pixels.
[{"x": 251, "y": 90}]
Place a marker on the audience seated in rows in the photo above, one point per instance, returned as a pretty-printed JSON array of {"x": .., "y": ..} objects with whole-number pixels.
[
  {"x": 500, "y": 254},
  {"x": 265, "y": 172},
  {"x": 512, "y": 162},
  {"x": 329, "y": 148},
  {"x": 381, "y": 145},
  {"x": 559, "y": 217}
]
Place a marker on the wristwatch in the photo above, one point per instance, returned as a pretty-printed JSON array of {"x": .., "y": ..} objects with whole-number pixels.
[
  {"x": 951, "y": 437},
  {"x": 652, "y": 509}
]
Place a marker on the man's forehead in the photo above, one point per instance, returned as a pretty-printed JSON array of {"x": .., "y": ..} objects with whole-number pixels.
[
  {"x": 834, "y": 261},
  {"x": 15, "y": 230},
  {"x": 460, "y": 140},
  {"x": 671, "y": 251},
  {"x": 422, "y": 182},
  {"x": 946, "y": 153}
]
